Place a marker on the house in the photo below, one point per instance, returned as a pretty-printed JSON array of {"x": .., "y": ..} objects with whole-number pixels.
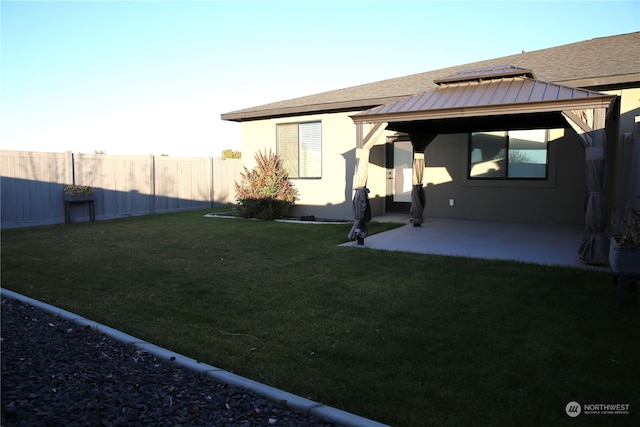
[{"x": 544, "y": 136}]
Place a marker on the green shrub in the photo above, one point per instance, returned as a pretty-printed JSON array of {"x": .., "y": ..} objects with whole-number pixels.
[{"x": 265, "y": 192}]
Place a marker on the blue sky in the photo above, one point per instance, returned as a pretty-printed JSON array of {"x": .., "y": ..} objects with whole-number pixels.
[{"x": 153, "y": 77}]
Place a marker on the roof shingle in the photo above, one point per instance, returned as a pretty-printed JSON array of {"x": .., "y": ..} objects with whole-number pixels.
[{"x": 598, "y": 63}]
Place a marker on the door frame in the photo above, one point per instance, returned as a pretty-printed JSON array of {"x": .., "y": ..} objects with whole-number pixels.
[{"x": 390, "y": 204}]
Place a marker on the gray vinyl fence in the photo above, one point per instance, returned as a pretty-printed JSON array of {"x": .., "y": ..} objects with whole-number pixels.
[{"x": 32, "y": 185}]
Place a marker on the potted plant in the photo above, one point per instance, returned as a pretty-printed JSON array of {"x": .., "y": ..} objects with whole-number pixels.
[
  {"x": 624, "y": 250},
  {"x": 78, "y": 192}
]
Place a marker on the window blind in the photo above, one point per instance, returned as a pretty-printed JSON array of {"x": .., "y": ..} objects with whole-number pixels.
[
  {"x": 310, "y": 149},
  {"x": 288, "y": 148}
]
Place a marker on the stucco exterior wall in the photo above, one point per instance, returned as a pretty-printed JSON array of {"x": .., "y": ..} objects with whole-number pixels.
[
  {"x": 558, "y": 200},
  {"x": 624, "y": 154},
  {"x": 629, "y": 108},
  {"x": 329, "y": 196}
]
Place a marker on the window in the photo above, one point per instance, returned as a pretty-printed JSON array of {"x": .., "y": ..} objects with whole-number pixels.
[
  {"x": 300, "y": 148},
  {"x": 508, "y": 154}
]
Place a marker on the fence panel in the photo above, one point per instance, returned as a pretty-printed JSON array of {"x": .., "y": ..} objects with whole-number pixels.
[
  {"x": 182, "y": 183},
  {"x": 32, "y": 185},
  {"x": 225, "y": 173},
  {"x": 123, "y": 183}
]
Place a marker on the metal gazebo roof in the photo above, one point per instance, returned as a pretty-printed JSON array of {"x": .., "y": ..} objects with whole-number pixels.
[{"x": 491, "y": 91}]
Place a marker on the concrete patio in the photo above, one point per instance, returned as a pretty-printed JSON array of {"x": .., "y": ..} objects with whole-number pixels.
[{"x": 534, "y": 243}]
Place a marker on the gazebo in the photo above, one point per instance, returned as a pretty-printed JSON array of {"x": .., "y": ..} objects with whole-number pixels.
[{"x": 488, "y": 99}]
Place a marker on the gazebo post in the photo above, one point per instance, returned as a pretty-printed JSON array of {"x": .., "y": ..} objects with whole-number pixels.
[
  {"x": 420, "y": 141},
  {"x": 589, "y": 124},
  {"x": 361, "y": 206}
]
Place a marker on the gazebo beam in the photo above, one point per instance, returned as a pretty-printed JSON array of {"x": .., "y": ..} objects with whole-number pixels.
[
  {"x": 372, "y": 136},
  {"x": 573, "y": 118}
]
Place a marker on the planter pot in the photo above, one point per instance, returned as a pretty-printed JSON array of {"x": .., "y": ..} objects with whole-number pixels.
[
  {"x": 77, "y": 198},
  {"x": 624, "y": 260}
]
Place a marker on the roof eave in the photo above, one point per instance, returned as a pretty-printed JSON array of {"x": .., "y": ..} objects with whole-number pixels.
[
  {"x": 328, "y": 107},
  {"x": 617, "y": 81}
]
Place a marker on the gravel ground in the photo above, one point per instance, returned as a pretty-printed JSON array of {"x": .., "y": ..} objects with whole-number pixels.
[{"x": 55, "y": 373}]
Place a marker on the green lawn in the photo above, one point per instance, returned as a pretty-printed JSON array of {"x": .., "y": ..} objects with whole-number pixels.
[{"x": 401, "y": 338}]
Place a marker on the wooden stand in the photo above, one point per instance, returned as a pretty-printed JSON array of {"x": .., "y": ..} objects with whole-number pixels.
[{"x": 68, "y": 201}]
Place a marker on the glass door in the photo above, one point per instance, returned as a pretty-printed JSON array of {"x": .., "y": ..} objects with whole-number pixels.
[{"x": 399, "y": 175}]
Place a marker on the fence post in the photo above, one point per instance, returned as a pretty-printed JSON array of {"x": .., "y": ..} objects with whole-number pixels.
[
  {"x": 211, "y": 183},
  {"x": 152, "y": 182},
  {"x": 71, "y": 169}
]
